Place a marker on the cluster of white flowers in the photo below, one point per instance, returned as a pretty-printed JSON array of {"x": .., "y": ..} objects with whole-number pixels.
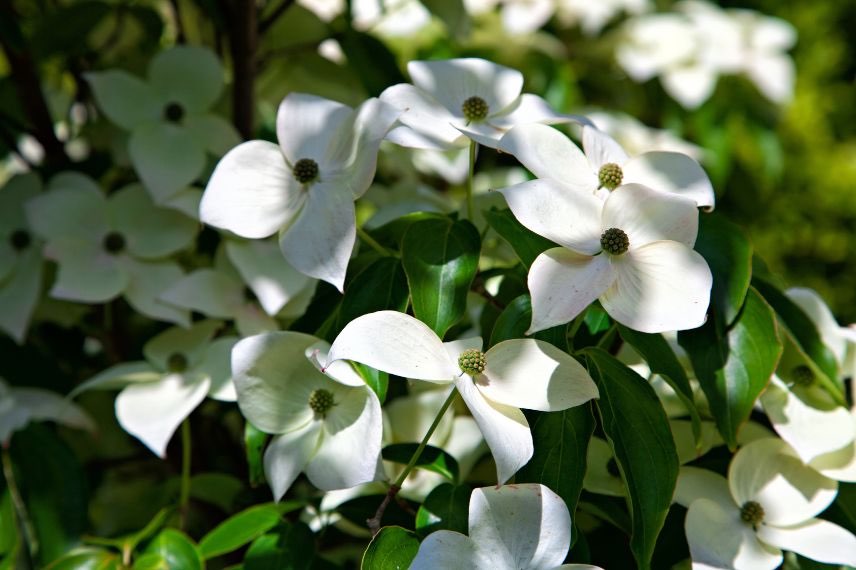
[{"x": 690, "y": 47}]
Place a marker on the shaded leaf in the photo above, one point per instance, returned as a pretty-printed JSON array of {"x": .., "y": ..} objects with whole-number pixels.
[
  {"x": 431, "y": 459},
  {"x": 515, "y": 320},
  {"x": 290, "y": 548},
  {"x": 238, "y": 530},
  {"x": 393, "y": 548},
  {"x": 729, "y": 255},
  {"x": 526, "y": 244},
  {"x": 447, "y": 507}
]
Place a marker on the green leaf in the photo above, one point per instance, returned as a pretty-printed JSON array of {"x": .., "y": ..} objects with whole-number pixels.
[
  {"x": 381, "y": 285},
  {"x": 391, "y": 233},
  {"x": 447, "y": 507},
  {"x": 431, "y": 459},
  {"x": 561, "y": 440},
  {"x": 375, "y": 379},
  {"x": 238, "y": 530},
  {"x": 87, "y": 559},
  {"x": 393, "y": 548},
  {"x": 374, "y": 63},
  {"x": 661, "y": 360},
  {"x": 440, "y": 258},
  {"x": 170, "y": 550},
  {"x": 9, "y": 539},
  {"x": 64, "y": 30},
  {"x": 453, "y": 13},
  {"x": 217, "y": 489},
  {"x": 596, "y": 319},
  {"x": 526, "y": 244},
  {"x": 359, "y": 509},
  {"x": 729, "y": 255},
  {"x": 734, "y": 367},
  {"x": 638, "y": 432},
  {"x": 290, "y": 548},
  {"x": 254, "y": 444},
  {"x": 843, "y": 510},
  {"x": 515, "y": 319}
]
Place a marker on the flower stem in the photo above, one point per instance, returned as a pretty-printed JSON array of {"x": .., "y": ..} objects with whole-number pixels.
[
  {"x": 23, "y": 516},
  {"x": 184, "y": 492},
  {"x": 470, "y": 175},
  {"x": 371, "y": 242},
  {"x": 374, "y": 522}
]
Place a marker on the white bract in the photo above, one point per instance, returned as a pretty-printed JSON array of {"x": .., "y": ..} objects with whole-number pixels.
[
  {"x": 250, "y": 284},
  {"x": 636, "y": 137},
  {"x": 515, "y": 373},
  {"x": 328, "y": 426},
  {"x": 513, "y": 527},
  {"x": 20, "y": 257},
  {"x": 633, "y": 252},
  {"x": 21, "y": 405},
  {"x": 593, "y": 16},
  {"x": 305, "y": 187},
  {"x": 767, "y": 504},
  {"x": 182, "y": 366},
  {"x": 168, "y": 116},
  {"x": 108, "y": 246},
  {"x": 453, "y": 101},
  {"x": 552, "y": 156}
]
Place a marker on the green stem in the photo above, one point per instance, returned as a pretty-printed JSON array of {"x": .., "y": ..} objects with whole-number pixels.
[
  {"x": 371, "y": 242},
  {"x": 23, "y": 516},
  {"x": 470, "y": 201},
  {"x": 421, "y": 448},
  {"x": 184, "y": 493}
]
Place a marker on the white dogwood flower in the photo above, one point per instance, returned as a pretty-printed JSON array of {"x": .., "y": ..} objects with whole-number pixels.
[
  {"x": 767, "y": 504},
  {"x": 328, "y": 426},
  {"x": 304, "y": 187},
  {"x": 514, "y": 374},
  {"x": 182, "y": 367},
  {"x": 108, "y": 246},
  {"x": 604, "y": 165},
  {"x": 452, "y": 101},
  {"x": 168, "y": 116},
  {"x": 513, "y": 527},
  {"x": 19, "y": 406},
  {"x": 633, "y": 252}
]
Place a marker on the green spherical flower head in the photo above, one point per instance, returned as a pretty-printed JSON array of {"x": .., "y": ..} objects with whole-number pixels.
[
  {"x": 20, "y": 240},
  {"x": 321, "y": 401},
  {"x": 475, "y": 109},
  {"x": 472, "y": 361},
  {"x": 614, "y": 241},
  {"x": 176, "y": 362},
  {"x": 114, "y": 242},
  {"x": 752, "y": 513},
  {"x": 305, "y": 170},
  {"x": 610, "y": 176},
  {"x": 802, "y": 375},
  {"x": 173, "y": 112}
]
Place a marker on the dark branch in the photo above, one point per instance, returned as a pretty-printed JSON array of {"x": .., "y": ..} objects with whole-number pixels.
[{"x": 243, "y": 43}]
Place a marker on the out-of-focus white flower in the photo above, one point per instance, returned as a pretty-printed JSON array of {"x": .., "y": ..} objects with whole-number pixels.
[
  {"x": 515, "y": 373},
  {"x": 593, "y": 16},
  {"x": 182, "y": 366},
  {"x": 110, "y": 246},
  {"x": 20, "y": 257},
  {"x": 638, "y": 138},
  {"x": 168, "y": 116},
  {"x": 304, "y": 187},
  {"x": 19, "y": 406},
  {"x": 328, "y": 426},
  {"x": 525, "y": 527},
  {"x": 767, "y": 504},
  {"x": 452, "y": 101},
  {"x": 391, "y": 18}
]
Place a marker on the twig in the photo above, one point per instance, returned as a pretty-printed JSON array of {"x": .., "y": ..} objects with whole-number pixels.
[
  {"x": 374, "y": 522},
  {"x": 274, "y": 16}
]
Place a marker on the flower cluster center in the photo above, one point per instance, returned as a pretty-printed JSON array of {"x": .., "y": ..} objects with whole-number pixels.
[
  {"x": 321, "y": 401},
  {"x": 475, "y": 109},
  {"x": 176, "y": 362},
  {"x": 173, "y": 112},
  {"x": 802, "y": 375},
  {"x": 305, "y": 170},
  {"x": 472, "y": 361},
  {"x": 752, "y": 513},
  {"x": 20, "y": 240},
  {"x": 114, "y": 242},
  {"x": 610, "y": 176},
  {"x": 614, "y": 241}
]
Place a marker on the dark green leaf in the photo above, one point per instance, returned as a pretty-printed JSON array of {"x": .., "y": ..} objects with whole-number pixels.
[
  {"x": 561, "y": 440},
  {"x": 9, "y": 540},
  {"x": 393, "y": 548},
  {"x": 254, "y": 444},
  {"x": 216, "y": 488},
  {"x": 447, "y": 507},
  {"x": 729, "y": 255},
  {"x": 661, "y": 360},
  {"x": 843, "y": 510},
  {"x": 375, "y": 64},
  {"x": 526, "y": 244},
  {"x": 638, "y": 432},
  {"x": 172, "y": 550},
  {"x": 380, "y": 285},
  {"x": 87, "y": 559},
  {"x": 290, "y": 548},
  {"x": 64, "y": 31},
  {"x": 391, "y": 233},
  {"x": 378, "y": 381},
  {"x": 431, "y": 458},
  {"x": 515, "y": 319},
  {"x": 734, "y": 367},
  {"x": 359, "y": 509},
  {"x": 440, "y": 258},
  {"x": 238, "y": 530}
]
